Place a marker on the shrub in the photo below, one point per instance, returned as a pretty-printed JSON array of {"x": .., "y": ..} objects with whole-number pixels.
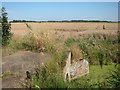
[{"x": 6, "y": 34}]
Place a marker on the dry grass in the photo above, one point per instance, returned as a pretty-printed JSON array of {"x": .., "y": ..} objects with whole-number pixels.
[
  {"x": 44, "y": 35},
  {"x": 19, "y": 29},
  {"x": 76, "y": 52},
  {"x": 67, "y": 30}
]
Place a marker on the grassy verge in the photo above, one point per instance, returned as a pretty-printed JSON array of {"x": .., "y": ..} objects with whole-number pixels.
[
  {"x": 52, "y": 78},
  {"x": 100, "y": 53}
]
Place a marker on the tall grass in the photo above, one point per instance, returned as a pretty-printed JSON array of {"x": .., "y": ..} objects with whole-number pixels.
[
  {"x": 114, "y": 78},
  {"x": 91, "y": 48},
  {"x": 50, "y": 75},
  {"x": 96, "y": 51}
]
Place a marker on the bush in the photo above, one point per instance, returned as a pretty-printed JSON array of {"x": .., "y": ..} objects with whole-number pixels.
[{"x": 6, "y": 34}]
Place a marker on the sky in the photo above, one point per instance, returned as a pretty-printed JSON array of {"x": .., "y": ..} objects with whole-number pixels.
[{"x": 44, "y": 11}]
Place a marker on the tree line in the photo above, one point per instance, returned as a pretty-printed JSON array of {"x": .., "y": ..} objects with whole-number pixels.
[{"x": 60, "y": 21}]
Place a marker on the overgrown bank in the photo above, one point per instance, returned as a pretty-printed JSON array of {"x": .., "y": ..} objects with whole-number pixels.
[{"x": 98, "y": 52}]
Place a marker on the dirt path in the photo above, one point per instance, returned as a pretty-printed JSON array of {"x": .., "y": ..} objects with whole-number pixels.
[{"x": 18, "y": 64}]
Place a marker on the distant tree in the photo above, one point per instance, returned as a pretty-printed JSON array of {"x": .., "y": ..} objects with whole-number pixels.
[
  {"x": 6, "y": 27},
  {"x": 0, "y": 30}
]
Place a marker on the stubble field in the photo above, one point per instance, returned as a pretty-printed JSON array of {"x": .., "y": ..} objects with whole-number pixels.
[{"x": 67, "y": 30}]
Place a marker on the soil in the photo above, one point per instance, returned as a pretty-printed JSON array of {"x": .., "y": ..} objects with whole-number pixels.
[{"x": 18, "y": 64}]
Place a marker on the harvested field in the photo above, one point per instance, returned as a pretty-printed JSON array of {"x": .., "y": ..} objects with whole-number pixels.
[
  {"x": 65, "y": 30},
  {"x": 19, "y": 29}
]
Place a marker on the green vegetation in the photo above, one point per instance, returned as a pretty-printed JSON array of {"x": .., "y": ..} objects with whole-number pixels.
[
  {"x": 9, "y": 74},
  {"x": 5, "y": 30},
  {"x": 50, "y": 77},
  {"x": 114, "y": 78},
  {"x": 102, "y": 54},
  {"x": 96, "y": 50}
]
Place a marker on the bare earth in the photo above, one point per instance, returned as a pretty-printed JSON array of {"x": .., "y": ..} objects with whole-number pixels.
[{"x": 18, "y": 64}]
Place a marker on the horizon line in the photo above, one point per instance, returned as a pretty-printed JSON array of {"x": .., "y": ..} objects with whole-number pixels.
[{"x": 72, "y": 20}]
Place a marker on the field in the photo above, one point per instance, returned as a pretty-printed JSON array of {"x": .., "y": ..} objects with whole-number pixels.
[
  {"x": 97, "y": 42},
  {"x": 66, "y": 30}
]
